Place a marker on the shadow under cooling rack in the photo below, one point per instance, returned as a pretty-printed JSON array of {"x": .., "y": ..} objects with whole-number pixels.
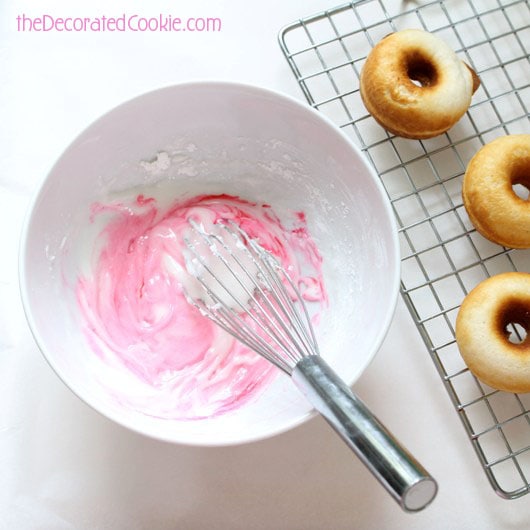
[{"x": 443, "y": 257}]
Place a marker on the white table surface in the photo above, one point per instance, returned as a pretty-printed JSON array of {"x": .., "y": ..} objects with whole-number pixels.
[{"x": 64, "y": 466}]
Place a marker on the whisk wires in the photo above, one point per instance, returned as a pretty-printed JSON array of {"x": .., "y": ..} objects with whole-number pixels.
[{"x": 263, "y": 309}]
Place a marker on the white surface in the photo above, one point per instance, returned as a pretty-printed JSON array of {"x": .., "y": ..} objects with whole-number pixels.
[{"x": 65, "y": 466}]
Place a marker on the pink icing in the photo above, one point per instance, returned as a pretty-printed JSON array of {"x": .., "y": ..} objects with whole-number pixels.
[{"x": 135, "y": 312}]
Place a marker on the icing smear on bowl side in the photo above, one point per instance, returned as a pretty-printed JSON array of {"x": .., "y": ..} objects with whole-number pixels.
[{"x": 135, "y": 312}]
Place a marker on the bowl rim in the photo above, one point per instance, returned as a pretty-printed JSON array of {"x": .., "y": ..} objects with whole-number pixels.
[{"x": 300, "y": 106}]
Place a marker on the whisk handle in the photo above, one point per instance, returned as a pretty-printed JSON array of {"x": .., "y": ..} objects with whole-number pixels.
[{"x": 395, "y": 468}]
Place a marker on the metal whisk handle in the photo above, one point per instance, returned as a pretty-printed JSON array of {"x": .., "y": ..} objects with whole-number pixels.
[{"x": 395, "y": 468}]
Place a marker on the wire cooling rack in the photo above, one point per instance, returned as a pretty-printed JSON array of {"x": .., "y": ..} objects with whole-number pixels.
[{"x": 443, "y": 257}]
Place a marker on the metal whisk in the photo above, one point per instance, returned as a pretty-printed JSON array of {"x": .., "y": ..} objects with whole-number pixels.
[{"x": 247, "y": 292}]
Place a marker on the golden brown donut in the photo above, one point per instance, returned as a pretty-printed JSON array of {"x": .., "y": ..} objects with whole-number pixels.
[
  {"x": 415, "y": 86},
  {"x": 494, "y": 208},
  {"x": 482, "y": 336}
]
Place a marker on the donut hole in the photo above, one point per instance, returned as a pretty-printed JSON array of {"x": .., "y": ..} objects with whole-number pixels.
[
  {"x": 421, "y": 70},
  {"x": 521, "y": 179},
  {"x": 521, "y": 190},
  {"x": 516, "y": 333},
  {"x": 515, "y": 322}
]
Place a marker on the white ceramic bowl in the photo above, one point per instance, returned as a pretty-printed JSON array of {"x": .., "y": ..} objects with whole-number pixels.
[{"x": 216, "y": 137}]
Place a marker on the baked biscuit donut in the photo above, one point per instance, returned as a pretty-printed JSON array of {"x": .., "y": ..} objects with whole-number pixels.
[
  {"x": 482, "y": 336},
  {"x": 494, "y": 208},
  {"x": 415, "y": 86}
]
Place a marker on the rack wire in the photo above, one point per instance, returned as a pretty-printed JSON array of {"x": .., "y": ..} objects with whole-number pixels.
[{"x": 443, "y": 257}]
